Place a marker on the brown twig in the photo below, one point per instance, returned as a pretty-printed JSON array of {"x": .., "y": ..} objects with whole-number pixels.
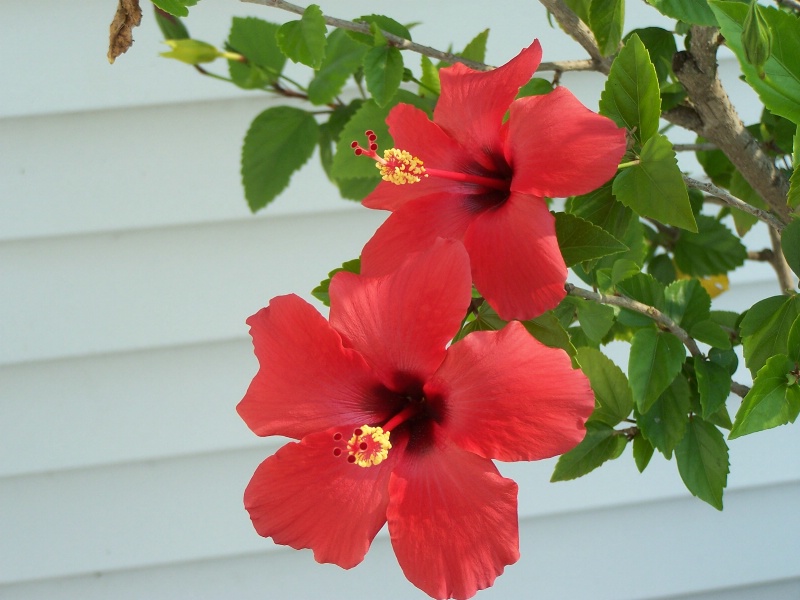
[
  {"x": 734, "y": 202},
  {"x": 782, "y": 270},
  {"x": 790, "y": 3},
  {"x": 655, "y": 314},
  {"x": 404, "y": 44},
  {"x": 694, "y": 147}
]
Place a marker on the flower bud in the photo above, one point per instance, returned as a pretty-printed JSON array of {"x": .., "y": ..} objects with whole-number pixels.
[
  {"x": 756, "y": 38},
  {"x": 192, "y": 52}
]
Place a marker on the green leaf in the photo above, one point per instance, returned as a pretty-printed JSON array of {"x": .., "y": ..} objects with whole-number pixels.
[
  {"x": 695, "y": 12},
  {"x": 713, "y": 384},
  {"x": 790, "y": 244},
  {"x": 331, "y": 130},
  {"x": 595, "y": 319},
  {"x": 384, "y": 23},
  {"x": 175, "y": 7},
  {"x": 714, "y": 249},
  {"x": 664, "y": 424},
  {"x": 343, "y": 57},
  {"x": 580, "y": 240},
  {"x": 793, "y": 342},
  {"x": 601, "y": 208},
  {"x": 794, "y": 187},
  {"x": 547, "y": 329},
  {"x": 688, "y": 303},
  {"x": 773, "y": 400},
  {"x": 356, "y": 189},
  {"x": 661, "y": 46},
  {"x": 429, "y": 78},
  {"x": 255, "y": 39},
  {"x": 383, "y": 70},
  {"x": 321, "y": 291},
  {"x": 606, "y": 20},
  {"x": 485, "y": 320},
  {"x": 655, "y": 359},
  {"x": 601, "y": 443},
  {"x": 645, "y": 289},
  {"x": 765, "y": 329},
  {"x": 702, "y": 458},
  {"x": 535, "y": 87},
  {"x": 369, "y": 116},
  {"x": 280, "y": 140},
  {"x": 642, "y": 452},
  {"x": 614, "y": 401},
  {"x": 654, "y": 188},
  {"x": 631, "y": 95},
  {"x": 710, "y": 333},
  {"x": 716, "y": 164},
  {"x": 476, "y": 49},
  {"x": 303, "y": 41},
  {"x": 779, "y": 89},
  {"x": 580, "y": 8},
  {"x": 742, "y": 190},
  {"x": 172, "y": 28},
  {"x": 726, "y": 359}
]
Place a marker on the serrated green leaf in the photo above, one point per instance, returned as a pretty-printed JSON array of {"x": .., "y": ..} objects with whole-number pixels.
[
  {"x": 356, "y": 189},
  {"x": 631, "y": 95},
  {"x": 429, "y": 78},
  {"x": 794, "y": 188},
  {"x": 303, "y": 41},
  {"x": 688, "y": 303},
  {"x": 606, "y": 20},
  {"x": 343, "y": 57},
  {"x": 580, "y": 240},
  {"x": 642, "y": 452},
  {"x": 255, "y": 40},
  {"x": 727, "y": 359},
  {"x": 601, "y": 444},
  {"x": 779, "y": 89},
  {"x": 716, "y": 164},
  {"x": 655, "y": 359},
  {"x": 172, "y": 28},
  {"x": 793, "y": 342},
  {"x": 713, "y": 385},
  {"x": 645, "y": 289},
  {"x": 664, "y": 424},
  {"x": 535, "y": 87},
  {"x": 383, "y": 71},
  {"x": 773, "y": 400},
  {"x": 710, "y": 333},
  {"x": 595, "y": 319},
  {"x": 695, "y": 12},
  {"x": 714, "y": 249},
  {"x": 790, "y": 244},
  {"x": 614, "y": 400},
  {"x": 547, "y": 329},
  {"x": 384, "y": 23},
  {"x": 702, "y": 458},
  {"x": 739, "y": 187},
  {"x": 179, "y": 8},
  {"x": 654, "y": 187},
  {"x": 321, "y": 291},
  {"x": 280, "y": 141},
  {"x": 765, "y": 329},
  {"x": 476, "y": 48},
  {"x": 661, "y": 46},
  {"x": 601, "y": 208}
]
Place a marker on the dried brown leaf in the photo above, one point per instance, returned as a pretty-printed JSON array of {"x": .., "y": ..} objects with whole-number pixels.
[{"x": 128, "y": 16}]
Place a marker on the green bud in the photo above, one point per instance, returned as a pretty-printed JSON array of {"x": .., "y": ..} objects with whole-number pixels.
[
  {"x": 756, "y": 38},
  {"x": 192, "y": 52}
]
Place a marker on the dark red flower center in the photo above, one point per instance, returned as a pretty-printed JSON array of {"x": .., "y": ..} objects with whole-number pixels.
[{"x": 400, "y": 167}]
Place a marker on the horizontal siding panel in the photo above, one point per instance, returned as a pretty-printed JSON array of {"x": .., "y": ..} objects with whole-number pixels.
[
  {"x": 179, "y": 509},
  {"x": 672, "y": 547},
  {"x": 156, "y": 288}
]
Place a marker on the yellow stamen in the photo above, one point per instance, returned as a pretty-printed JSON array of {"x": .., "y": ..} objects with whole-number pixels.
[
  {"x": 400, "y": 167},
  {"x": 369, "y": 446}
]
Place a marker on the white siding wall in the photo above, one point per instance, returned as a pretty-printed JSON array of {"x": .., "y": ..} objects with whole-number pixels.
[{"x": 128, "y": 263}]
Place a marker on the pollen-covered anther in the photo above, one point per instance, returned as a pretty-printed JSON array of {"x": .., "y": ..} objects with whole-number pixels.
[
  {"x": 400, "y": 167},
  {"x": 369, "y": 446}
]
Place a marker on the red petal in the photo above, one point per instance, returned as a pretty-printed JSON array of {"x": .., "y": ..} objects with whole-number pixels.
[
  {"x": 413, "y": 228},
  {"x": 473, "y": 103},
  {"x": 507, "y": 396},
  {"x": 305, "y": 497},
  {"x": 557, "y": 147},
  {"x": 516, "y": 263},
  {"x": 452, "y": 520},
  {"x": 401, "y": 322},
  {"x": 307, "y": 380}
]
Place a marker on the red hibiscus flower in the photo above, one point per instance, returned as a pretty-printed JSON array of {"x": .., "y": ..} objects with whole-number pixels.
[
  {"x": 481, "y": 180},
  {"x": 394, "y": 425}
]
